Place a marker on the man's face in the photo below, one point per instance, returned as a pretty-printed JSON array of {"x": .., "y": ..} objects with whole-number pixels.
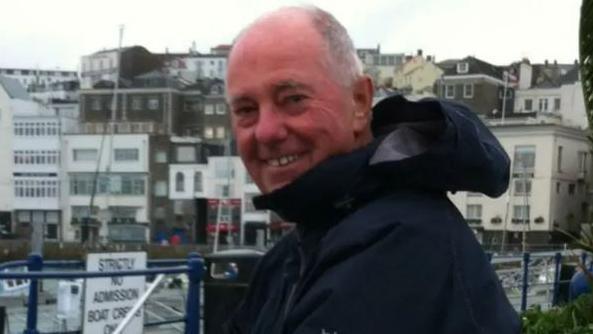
[{"x": 288, "y": 111}]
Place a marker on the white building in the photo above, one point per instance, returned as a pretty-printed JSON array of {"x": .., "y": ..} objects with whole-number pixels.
[
  {"x": 30, "y": 78},
  {"x": 551, "y": 89},
  {"x": 121, "y": 193},
  {"x": 222, "y": 181},
  {"x": 10, "y": 90},
  {"x": 548, "y": 190},
  {"x": 200, "y": 66}
]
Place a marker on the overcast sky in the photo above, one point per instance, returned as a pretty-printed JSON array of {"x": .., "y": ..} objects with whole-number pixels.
[{"x": 54, "y": 34}]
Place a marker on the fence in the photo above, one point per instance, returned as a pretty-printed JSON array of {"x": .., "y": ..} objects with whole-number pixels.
[
  {"x": 528, "y": 279},
  {"x": 193, "y": 266}
]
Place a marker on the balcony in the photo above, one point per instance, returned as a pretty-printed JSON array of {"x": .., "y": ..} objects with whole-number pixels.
[
  {"x": 119, "y": 127},
  {"x": 90, "y": 222},
  {"x": 474, "y": 221}
]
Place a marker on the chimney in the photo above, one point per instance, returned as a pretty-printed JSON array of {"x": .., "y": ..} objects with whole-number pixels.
[
  {"x": 546, "y": 63},
  {"x": 429, "y": 58},
  {"x": 419, "y": 52},
  {"x": 555, "y": 63},
  {"x": 576, "y": 61}
]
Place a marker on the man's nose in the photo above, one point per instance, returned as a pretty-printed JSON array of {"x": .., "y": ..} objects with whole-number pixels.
[{"x": 271, "y": 127}]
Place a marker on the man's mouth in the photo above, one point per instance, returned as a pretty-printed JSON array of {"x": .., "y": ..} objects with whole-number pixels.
[{"x": 283, "y": 160}]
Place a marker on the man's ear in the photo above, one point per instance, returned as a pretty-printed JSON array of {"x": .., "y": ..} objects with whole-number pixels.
[{"x": 362, "y": 91}]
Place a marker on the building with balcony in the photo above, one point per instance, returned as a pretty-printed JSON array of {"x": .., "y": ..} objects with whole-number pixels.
[
  {"x": 550, "y": 180},
  {"x": 38, "y": 78},
  {"x": 107, "y": 185},
  {"x": 551, "y": 88}
]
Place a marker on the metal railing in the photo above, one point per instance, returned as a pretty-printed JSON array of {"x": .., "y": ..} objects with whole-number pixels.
[
  {"x": 535, "y": 278},
  {"x": 193, "y": 266}
]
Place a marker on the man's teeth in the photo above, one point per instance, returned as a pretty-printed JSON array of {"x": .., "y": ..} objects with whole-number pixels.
[{"x": 283, "y": 161}]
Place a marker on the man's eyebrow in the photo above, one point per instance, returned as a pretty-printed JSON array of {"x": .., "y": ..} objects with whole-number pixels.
[
  {"x": 240, "y": 99},
  {"x": 289, "y": 85}
]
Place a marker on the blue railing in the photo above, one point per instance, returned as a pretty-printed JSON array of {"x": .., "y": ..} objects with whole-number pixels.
[
  {"x": 193, "y": 266},
  {"x": 535, "y": 278}
]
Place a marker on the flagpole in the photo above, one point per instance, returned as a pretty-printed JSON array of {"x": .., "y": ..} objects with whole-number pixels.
[{"x": 504, "y": 95}]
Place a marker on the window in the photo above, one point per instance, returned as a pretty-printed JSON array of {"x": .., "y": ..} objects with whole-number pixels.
[
  {"x": 209, "y": 109},
  {"x": 582, "y": 156},
  {"x": 114, "y": 183},
  {"x": 559, "y": 159},
  {"x": 96, "y": 104},
  {"x": 198, "y": 181},
  {"x": 557, "y": 187},
  {"x": 450, "y": 91},
  {"x": 179, "y": 182},
  {"x": 462, "y": 68},
  {"x": 51, "y": 231},
  {"x": 36, "y": 187},
  {"x": 84, "y": 154},
  {"x": 524, "y": 161},
  {"x": 136, "y": 103},
  {"x": 521, "y": 214},
  {"x": 186, "y": 154},
  {"x": 220, "y": 132},
  {"x": 468, "y": 90},
  {"x": 126, "y": 154},
  {"x": 571, "y": 188},
  {"x": 249, "y": 207},
  {"x": 160, "y": 156},
  {"x": 473, "y": 212},
  {"x": 522, "y": 187},
  {"x": 528, "y": 104},
  {"x": 557, "y": 104},
  {"x": 160, "y": 188},
  {"x": 208, "y": 132},
  {"x": 473, "y": 194},
  {"x": 220, "y": 108},
  {"x": 223, "y": 190},
  {"x": 543, "y": 104},
  {"x": 153, "y": 103}
]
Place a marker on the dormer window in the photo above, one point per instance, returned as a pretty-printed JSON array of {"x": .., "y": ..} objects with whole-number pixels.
[{"x": 462, "y": 67}]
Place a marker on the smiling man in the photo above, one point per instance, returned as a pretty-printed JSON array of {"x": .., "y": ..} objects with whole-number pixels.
[{"x": 378, "y": 247}]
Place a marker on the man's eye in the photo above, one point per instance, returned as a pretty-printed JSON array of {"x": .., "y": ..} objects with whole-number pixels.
[
  {"x": 244, "y": 111},
  {"x": 294, "y": 98}
]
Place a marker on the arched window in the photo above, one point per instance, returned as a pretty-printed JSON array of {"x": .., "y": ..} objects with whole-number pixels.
[{"x": 179, "y": 181}]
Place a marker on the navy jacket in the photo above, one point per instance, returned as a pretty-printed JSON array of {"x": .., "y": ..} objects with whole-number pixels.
[{"x": 378, "y": 247}]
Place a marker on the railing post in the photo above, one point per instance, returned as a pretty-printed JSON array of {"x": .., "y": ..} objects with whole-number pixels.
[
  {"x": 192, "y": 309},
  {"x": 557, "y": 262},
  {"x": 35, "y": 263},
  {"x": 525, "y": 282}
]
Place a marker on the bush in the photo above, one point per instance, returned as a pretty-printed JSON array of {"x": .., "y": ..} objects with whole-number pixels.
[{"x": 575, "y": 317}]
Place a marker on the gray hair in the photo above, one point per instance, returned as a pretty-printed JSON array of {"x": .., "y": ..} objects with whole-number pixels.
[{"x": 341, "y": 54}]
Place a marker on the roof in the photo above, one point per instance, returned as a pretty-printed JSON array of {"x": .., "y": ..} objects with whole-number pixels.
[
  {"x": 475, "y": 66},
  {"x": 13, "y": 88},
  {"x": 553, "y": 75}
]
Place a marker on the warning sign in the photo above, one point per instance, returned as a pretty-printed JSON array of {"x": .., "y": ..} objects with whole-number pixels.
[{"x": 108, "y": 300}]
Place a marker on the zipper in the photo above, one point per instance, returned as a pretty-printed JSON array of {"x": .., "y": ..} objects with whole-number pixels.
[{"x": 295, "y": 285}]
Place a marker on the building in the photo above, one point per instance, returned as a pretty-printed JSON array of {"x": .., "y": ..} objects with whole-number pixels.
[
  {"x": 103, "y": 65},
  {"x": 36, "y": 78},
  {"x": 476, "y": 83},
  {"x": 417, "y": 75},
  {"x": 10, "y": 91},
  {"x": 380, "y": 66},
  {"x": 193, "y": 67},
  {"x": 57, "y": 92},
  {"x": 161, "y": 106},
  {"x": 551, "y": 89},
  {"x": 110, "y": 174},
  {"x": 551, "y": 165}
]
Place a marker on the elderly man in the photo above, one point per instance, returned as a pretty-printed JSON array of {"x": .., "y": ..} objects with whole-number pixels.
[{"x": 378, "y": 247}]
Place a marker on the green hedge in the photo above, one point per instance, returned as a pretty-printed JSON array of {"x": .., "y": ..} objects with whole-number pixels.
[{"x": 575, "y": 317}]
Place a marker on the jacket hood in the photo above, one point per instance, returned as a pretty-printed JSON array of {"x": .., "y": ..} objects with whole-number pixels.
[{"x": 429, "y": 145}]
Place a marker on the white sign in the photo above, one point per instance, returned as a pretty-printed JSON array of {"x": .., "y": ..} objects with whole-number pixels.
[{"x": 107, "y": 300}]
